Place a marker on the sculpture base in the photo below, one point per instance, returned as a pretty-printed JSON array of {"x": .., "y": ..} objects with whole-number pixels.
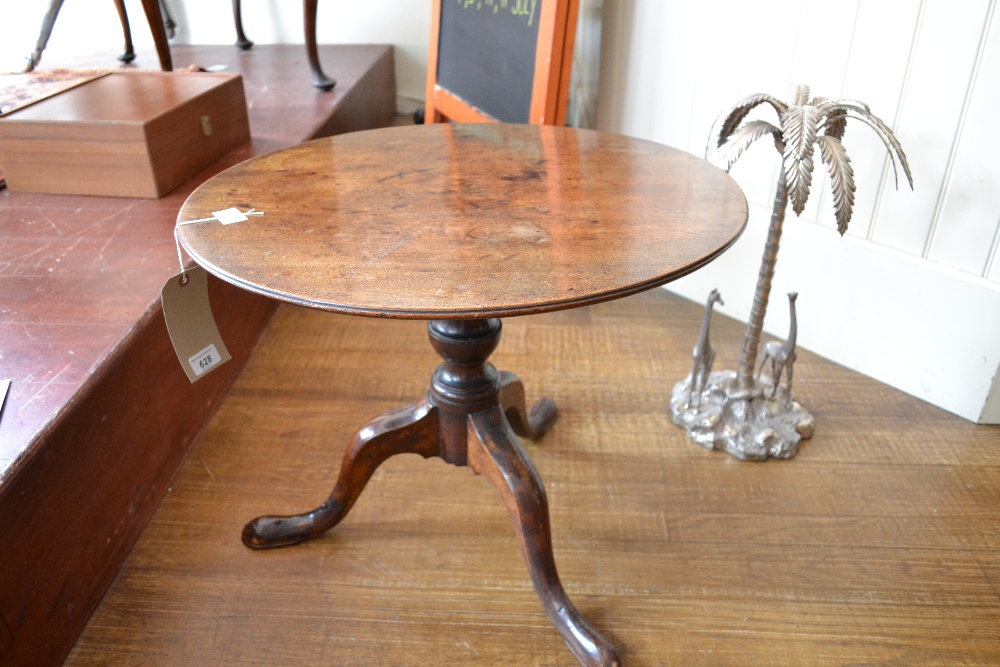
[{"x": 750, "y": 425}]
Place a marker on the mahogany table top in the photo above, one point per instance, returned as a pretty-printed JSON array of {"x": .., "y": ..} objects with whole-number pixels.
[{"x": 462, "y": 221}]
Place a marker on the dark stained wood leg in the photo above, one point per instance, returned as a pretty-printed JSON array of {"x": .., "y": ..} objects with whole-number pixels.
[
  {"x": 129, "y": 54},
  {"x": 155, "y": 21},
  {"x": 412, "y": 429},
  {"x": 495, "y": 452},
  {"x": 320, "y": 80},
  {"x": 462, "y": 421},
  {"x": 168, "y": 20},
  {"x": 241, "y": 39},
  {"x": 526, "y": 423}
]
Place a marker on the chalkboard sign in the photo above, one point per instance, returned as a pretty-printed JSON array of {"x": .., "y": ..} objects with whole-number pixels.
[
  {"x": 487, "y": 56},
  {"x": 500, "y": 60}
]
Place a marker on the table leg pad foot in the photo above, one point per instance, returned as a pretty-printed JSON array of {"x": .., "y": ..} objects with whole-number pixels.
[
  {"x": 531, "y": 423},
  {"x": 412, "y": 429},
  {"x": 271, "y": 532},
  {"x": 496, "y": 453}
]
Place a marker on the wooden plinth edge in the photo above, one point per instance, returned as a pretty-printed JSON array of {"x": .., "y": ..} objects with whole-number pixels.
[{"x": 74, "y": 507}]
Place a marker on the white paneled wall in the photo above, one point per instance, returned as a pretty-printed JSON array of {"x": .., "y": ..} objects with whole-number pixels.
[
  {"x": 962, "y": 237},
  {"x": 912, "y": 295},
  {"x": 943, "y": 57}
]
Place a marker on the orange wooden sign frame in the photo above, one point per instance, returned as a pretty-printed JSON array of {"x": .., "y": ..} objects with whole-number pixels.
[{"x": 553, "y": 62}]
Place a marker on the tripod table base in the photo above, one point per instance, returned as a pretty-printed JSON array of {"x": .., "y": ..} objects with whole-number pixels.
[{"x": 472, "y": 416}]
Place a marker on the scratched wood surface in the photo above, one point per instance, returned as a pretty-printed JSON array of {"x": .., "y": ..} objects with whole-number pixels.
[
  {"x": 100, "y": 415},
  {"x": 77, "y": 274},
  {"x": 878, "y": 544},
  {"x": 479, "y": 220}
]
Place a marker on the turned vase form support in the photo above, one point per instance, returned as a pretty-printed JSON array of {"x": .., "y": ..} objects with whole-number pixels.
[{"x": 471, "y": 417}]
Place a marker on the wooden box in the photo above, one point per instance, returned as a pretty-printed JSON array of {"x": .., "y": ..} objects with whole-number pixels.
[{"x": 126, "y": 134}]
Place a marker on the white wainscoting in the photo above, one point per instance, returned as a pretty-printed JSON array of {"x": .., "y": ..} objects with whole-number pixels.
[{"x": 911, "y": 296}]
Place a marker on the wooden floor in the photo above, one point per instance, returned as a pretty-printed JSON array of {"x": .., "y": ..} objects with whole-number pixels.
[{"x": 878, "y": 545}]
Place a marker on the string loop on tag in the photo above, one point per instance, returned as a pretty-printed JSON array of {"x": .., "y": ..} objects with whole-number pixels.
[
  {"x": 180, "y": 259},
  {"x": 226, "y": 217},
  {"x": 191, "y": 222}
]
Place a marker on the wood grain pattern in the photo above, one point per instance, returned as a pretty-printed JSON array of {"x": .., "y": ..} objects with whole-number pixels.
[
  {"x": 552, "y": 218},
  {"x": 126, "y": 134},
  {"x": 877, "y": 544},
  {"x": 496, "y": 453},
  {"x": 86, "y": 492},
  {"x": 99, "y": 416},
  {"x": 465, "y": 221},
  {"x": 77, "y": 273},
  {"x": 462, "y": 421},
  {"x": 528, "y": 423}
]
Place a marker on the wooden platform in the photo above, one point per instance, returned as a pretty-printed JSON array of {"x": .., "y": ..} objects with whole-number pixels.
[
  {"x": 879, "y": 544},
  {"x": 100, "y": 414}
]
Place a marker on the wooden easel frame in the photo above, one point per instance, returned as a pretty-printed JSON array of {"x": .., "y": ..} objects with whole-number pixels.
[{"x": 553, "y": 62}]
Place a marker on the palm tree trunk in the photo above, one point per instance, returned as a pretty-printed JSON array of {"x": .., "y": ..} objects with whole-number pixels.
[{"x": 751, "y": 341}]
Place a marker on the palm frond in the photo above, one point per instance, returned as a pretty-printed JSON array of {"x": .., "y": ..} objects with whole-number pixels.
[
  {"x": 800, "y": 95},
  {"x": 736, "y": 115},
  {"x": 891, "y": 144},
  {"x": 779, "y": 142},
  {"x": 841, "y": 178},
  {"x": 712, "y": 147},
  {"x": 741, "y": 140},
  {"x": 798, "y": 127},
  {"x": 857, "y": 105},
  {"x": 834, "y": 123},
  {"x": 863, "y": 112}
]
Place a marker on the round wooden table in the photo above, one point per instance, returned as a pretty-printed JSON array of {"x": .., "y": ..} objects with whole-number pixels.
[{"x": 462, "y": 225}]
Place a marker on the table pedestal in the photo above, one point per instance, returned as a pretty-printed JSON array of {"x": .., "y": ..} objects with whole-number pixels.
[{"x": 472, "y": 416}]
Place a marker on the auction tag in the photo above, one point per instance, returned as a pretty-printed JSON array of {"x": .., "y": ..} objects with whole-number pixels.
[
  {"x": 192, "y": 327},
  {"x": 229, "y": 216}
]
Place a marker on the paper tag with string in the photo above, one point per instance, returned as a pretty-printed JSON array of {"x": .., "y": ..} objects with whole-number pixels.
[
  {"x": 186, "y": 309},
  {"x": 226, "y": 216},
  {"x": 190, "y": 323}
]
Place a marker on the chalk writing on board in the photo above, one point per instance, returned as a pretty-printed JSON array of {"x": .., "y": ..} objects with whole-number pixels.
[{"x": 524, "y": 8}]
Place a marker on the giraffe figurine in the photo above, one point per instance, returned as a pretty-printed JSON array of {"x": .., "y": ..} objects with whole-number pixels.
[
  {"x": 703, "y": 356},
  {"x": 782, "y": 355}
]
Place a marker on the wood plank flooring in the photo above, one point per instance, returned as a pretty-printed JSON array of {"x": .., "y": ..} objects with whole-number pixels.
[{"x": 878, "y": 545}]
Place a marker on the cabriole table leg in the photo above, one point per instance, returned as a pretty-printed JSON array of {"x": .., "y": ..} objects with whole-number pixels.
[
  {"x": 412, "y": 429},
  {"x": 472, "y": 416},
  {"x": 533, "y": 423},
  {"x": 495, "y": 453}
]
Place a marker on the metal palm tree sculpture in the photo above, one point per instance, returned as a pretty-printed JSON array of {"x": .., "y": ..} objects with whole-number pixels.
[{"x": 740, "y": 417}]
